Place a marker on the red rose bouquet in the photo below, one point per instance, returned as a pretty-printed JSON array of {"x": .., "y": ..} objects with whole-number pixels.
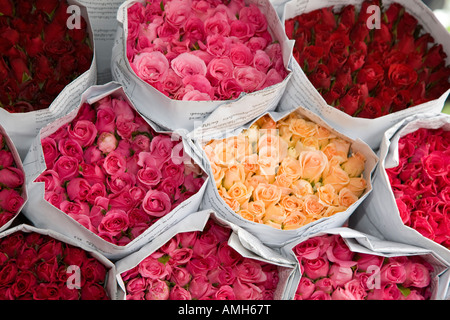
[
  {"x": 200, "y": 265},
  {"x": 12, "y": 181},
  {"x": 203, "y": 50},
  {"x": 112, "y": 173},
  {"x": 421, "y": 183},
  {"x": 331, "y": 271},
  {"x": 40, "y": 55},
  {"x": 35, "y": 266},
  {"x": 364, "y": 72}
]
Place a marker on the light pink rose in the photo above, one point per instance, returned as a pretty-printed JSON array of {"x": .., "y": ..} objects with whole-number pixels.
[
  {"x": 220, "y": 68},
  {"x": 200, "y": 83},
  {"x": 168, "y": 33},
  {"x": 84, "y": 132},
  {"x": 200, "y": 287},
  {"x": 195, "y": 95},
  {"x": 78, "y": 189},
  {"x": 171, "y": 84},
  {"x": 415, "y": 295},
  {"x": 229, "y": 89},
  {"x": 12, "y": 177},
  {"x": 194, "y": 30},
  {"x": 338, "y": 252},
  {"x": 320, "y": 295},
  {"x": 114, "y": 222},
  {"x": 246, "y": 291},
  {"x": 179, "y": 293},
  {"x": 156, "y": 203},
  {"x": 250, "y": 271},
  {"x": 417, "y": 275},
  {"x": 153, "y": 269},
  {"x": 261, "y": 61},
  {"x": 105, "y": 121},
  {"x": 114, "y": 163},
  {"x": 252, "y": 14},
  {"x": 340, "y": 275},
  {"x": 305, "y": 288},
  {"x": 273, "y": 77},
  {"x": 136, "y": 285},
  {"x": 242, "y": 30},
  {"x": 325, "y": 284},
  {"x": 388, "y": 291},
  {"x": 177, "y": 12},
  {"x": 368, "y": 260},
  {"x": 151, "y": 66},
  {"x": 316, "y": 268},
  {"x": 157, "y": 290},
  {"x": 10, "y": 200},
  {"x": 217, "y": 24},
  {"x": 217, "y": 45},
  {"x": 241, "y": 55},
  {"x": 393, "y": 272},
  {"x": 107, "y": 142},
  {"x": 180, "y": 276},
  {"x": 225, "y": 292},
  {"x": 311, "y": 248},
  {"x": 249, "y": 78},
  {"x": 188, "y": 64}
]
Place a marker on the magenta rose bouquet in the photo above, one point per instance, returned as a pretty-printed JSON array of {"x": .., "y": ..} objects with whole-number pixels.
[
  {"x": 109, "y": 170},
  {"x": 331, "y": 271},
  {"x": 203, "y": 50},
  {"x": 421, "y": 183},
  {"x": 200, "y": 265},
  {"x": 36, "y": 266},
  {"x": 12, "y": 181}
]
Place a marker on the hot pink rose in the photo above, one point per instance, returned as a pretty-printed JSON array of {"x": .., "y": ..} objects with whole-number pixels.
[
  {"x": 181, "y": 256},
  {"x": 305, "y": 289},
  {"x": 179, "y": 293},
  {"x": 188, "y": 64},
  {"x": 261, "y": 61},
  {"x": 151, "y": 268},
  {"x": 241, "y": 55},
  {"x": 225, "y": 292},
  {"x": 393, "y": 272},
  {"x": 251, "y": 14},
  {"x": 316, "y": 268},
  {"x": 66, "y": 167},
  {"x": 177, "y": 12},
  {"x": 6, "y": 158},
  {"x": 151, "y": 66},
  {"x": 121, "y": 182},
  {"x": 311, "y": 248},
  {"x": 217, "y": 24},
  {"x": 78, "y": 189},
  {"x": 11, "y": 200},
  {"x": 12, "y": 177},
  {"x": 417, "y": 275},
  {"x": 114, "y": 222},
  {"x": 246, "y": 291},
  {"x": 156, "y": 203},
  {"x": 136, "y": 285},
  {"x": 366, "y": 261},
  {"x": 205, "y": 245},
  {"x": 388, "y": 291},
  {"x": 50, "y": 150},
  {"x": 75, "y": 208},
  {"x": 228, "y": 256},
  {"x": 105, "y": 121},
  {"x": 114, "y": 163},
  {"x": 241, "y": 30},
  {"x": 200, "y": 287},
  {"x": 180, "y": 276},
  {"x": 340, "y": 275},
  {"x": 249, "y": 78},
  {"x": 84, "y": 132},
  {"x": 338, "y": 252},
  {"x": 220, "y": 68},
  {"x": 250, "y": 271}
]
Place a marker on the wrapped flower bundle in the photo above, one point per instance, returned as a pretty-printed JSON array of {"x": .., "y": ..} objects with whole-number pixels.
[
  {"x": 421, "y": 183},
  {"x": 203, "y": 50},
  {"x": 330, "y": 271},
  {"x": 200, "y": 265},
  {"x": 369, "y": 72},
  {"x": 36, "y": 267},
  {"x": 12, "y": 183},
  {"x": 111, "y": 172},
  {"x": 286, "y": 174},
  {"x": 40, "y": 55}
]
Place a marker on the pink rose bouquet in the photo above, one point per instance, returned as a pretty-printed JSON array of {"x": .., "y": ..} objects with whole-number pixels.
[
  {"x": 112, "y": 173},
  {"x": 200, "y": 265},
  {"x": 203, "y": 50},
  {"x": 330, "y": 271},
  {"x": 287, "y": 174},
  {"x": 421, "y": 183},
  {"x": 35, "y": 266},
  {"x": 12, "y": 181}
]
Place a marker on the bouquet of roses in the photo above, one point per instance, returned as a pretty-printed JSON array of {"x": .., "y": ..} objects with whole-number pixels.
[
  {"x": 200, "y": 265},
  {"x": 421, "y": 183},
  {"x": 287, "y": 174},
  {"x": 111, "y": 172},
  {"x": 331, "y": 271},
  {"x": 40, "y": 55},
  {"x": 12, "y": 181},
  {"x": 369, "y": 72},
  {"x": 203, "y": 50},
  {"x": 37, "y": 266}
]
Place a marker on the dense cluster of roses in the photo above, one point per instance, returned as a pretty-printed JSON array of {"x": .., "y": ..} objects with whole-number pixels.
[
  {"x": 200, "y": 266},
  {"x": 36, "y": 267},
  {"x": 40, "y": 55},
  {"x": 203, "y": 50},
  {"x": 366, "y": 72},
  {"x": 421, "y": 183},
  {"x": 12, "y": 180},
  {"x": 111, "y": 172},
  {"x": 286, "y": 174},
  {"x": 330, "y": 271}
]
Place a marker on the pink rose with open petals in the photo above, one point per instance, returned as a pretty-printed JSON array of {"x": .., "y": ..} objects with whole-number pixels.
[
  {"x": 78, "y": 189},
  {"x": 66, "y": 167},
  {"x": 11, "y": 200},
  {"x": 156, "y": 203},
  {"x": 241, "y": 55},
  {"x": 179, "y": 293},
  {"x": 84, "y": 132},
  {"x": 114, "y": 222},
  {"x": 249, "y": 78},
  {"x": 242, "y": 30},
  {"x": 250, "y": 271},
  {"x": 151, "y": 66},
  {"x": 246, "y": 290},
  {"x": 195, "y": 95},
  {"x": 251, "y": 14},
  {"x": 340, "y": 275},
  {"x": 151, "y": 268},
  {"x": 316, "y": 268},
  {"x": 114, "y": 163},
  {"x": 188, "y": 64},
  {"x": 50, "y": 150},
  {"x": 157, "y": 290},
  {"x": 417, "y": 275},
  {"x": 220, "y": 68},
  {"x": 393, "y": 272}
]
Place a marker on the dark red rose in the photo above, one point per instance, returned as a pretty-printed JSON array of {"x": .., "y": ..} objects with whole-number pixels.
[
  {"x": 93, "y": 291},
  {"x": 61, "y": 14},
  {"x": 321, "y": 78},
  {"x": 289, "y": 27},
  {"x": 11, "y": 35},
  {"x": 372, "y": 74},
  {"x": 406, "y": 45},
  {"x": 421, "y": 43},
  {"x": 335, "y": 93},
  {"x": 84, "y": 56},
  {"x": 6, "y": 8},
  {"x": 66, "y": 66},
  {"x": 352, "y": 100},
  {"x": 359, "y": 32},
  {"x": 310, "y": 19},
  {"x": 414, "y": 60},
  {"x": 34, "y": 46},
  {"x": 347, "y": 17},
  {"x": 327, "y": 17},
  {"x": 48, "y": 6},
  {"x": 401, "y": 101},
  {"x": 93, "y": 271},
  {"x": 382, "y": 35},
  {"x": 54, "y": 31},
  {"x": 74, "y": 256},
  {"x": 387, "y": 95},
  {"x": 43, "y": 68},
  {"x": 8, "y": 273},
  {"x": 29, "y": 90},
  {"x": 373, "y": 108},
  {"x": 356, "y": 60},
  {"x": 23, "y": 8},
  {"x": 310, "y": 57},
  {"x": 20, "y": 69},
  {"x": 401, "y": 75},
  {"x": 435, "y": 57},
  {"x": 79, "y": 34},
  {"x": 23, "y": 284},
  {"x": 392, "y": 14},
  {"x": 46, "y": 270},
  {"x": 336, "y": 60},
  {"x": 302, "y": 38},
  {"x": 418, "y": 92},
  {"x": 46, "y": 291},
  {"x": 11, "y": 244},
  {"x": 26, "y": 258},
  {"x": 50, "y": 249},
  {"x": 406, "y": 25},
  {"x": 4, "y": 70}
]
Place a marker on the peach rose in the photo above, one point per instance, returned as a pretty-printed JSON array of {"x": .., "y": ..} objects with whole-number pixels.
[
  {"x": 266, "y": 122},
  {"x": 274, "y": 216},
  {"x": 310, "y": 143},
  {"x": 247, "y": 215},
  {"x": 218, "y": 173},
  {"x": 357, "y": 186},
  {"x": 324, "y": 135},
  {"x": 267, "y": 167},
  {"x": 302, "y": 188},
  {"x": 232, "y": 203},
  {"x": 239, "y": 146},
  {"x": 257, "y": 208},
  {"x": 330, "y": 211},
  {"x": 347, "y": 197},
  {"x": 313, "y": 163},
  {"x": 234, "y": 173},
  {"x": 255, "y": 180},
  {"x": 354, "y": 166},
  {"x": 291, "y": 203},
  {"x": 313, "y": 206},
  {"x": 240, "y": 192},
  {"x": 283, "y": 182},
  {"x": 268, "y": 193},
  {"x": 337, "y": 177},
  {"x": 291, "y": 168},
  {"x": 250, "y": 164},
  {"x": 222, "y": 155},
  {"x": 332, "y": 153},
  {"x": 294, "y": 220},
  {"x": 302, "y": 127},
  {"x": 327, "y": 195}
]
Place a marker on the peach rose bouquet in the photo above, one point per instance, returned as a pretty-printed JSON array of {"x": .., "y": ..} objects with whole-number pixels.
[{"x": 287, "y": 174}]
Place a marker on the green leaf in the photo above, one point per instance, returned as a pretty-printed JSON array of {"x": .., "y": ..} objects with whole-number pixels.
[
  {"x": 403, "y": 290},
  {"x": 164, "y": 259}
]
